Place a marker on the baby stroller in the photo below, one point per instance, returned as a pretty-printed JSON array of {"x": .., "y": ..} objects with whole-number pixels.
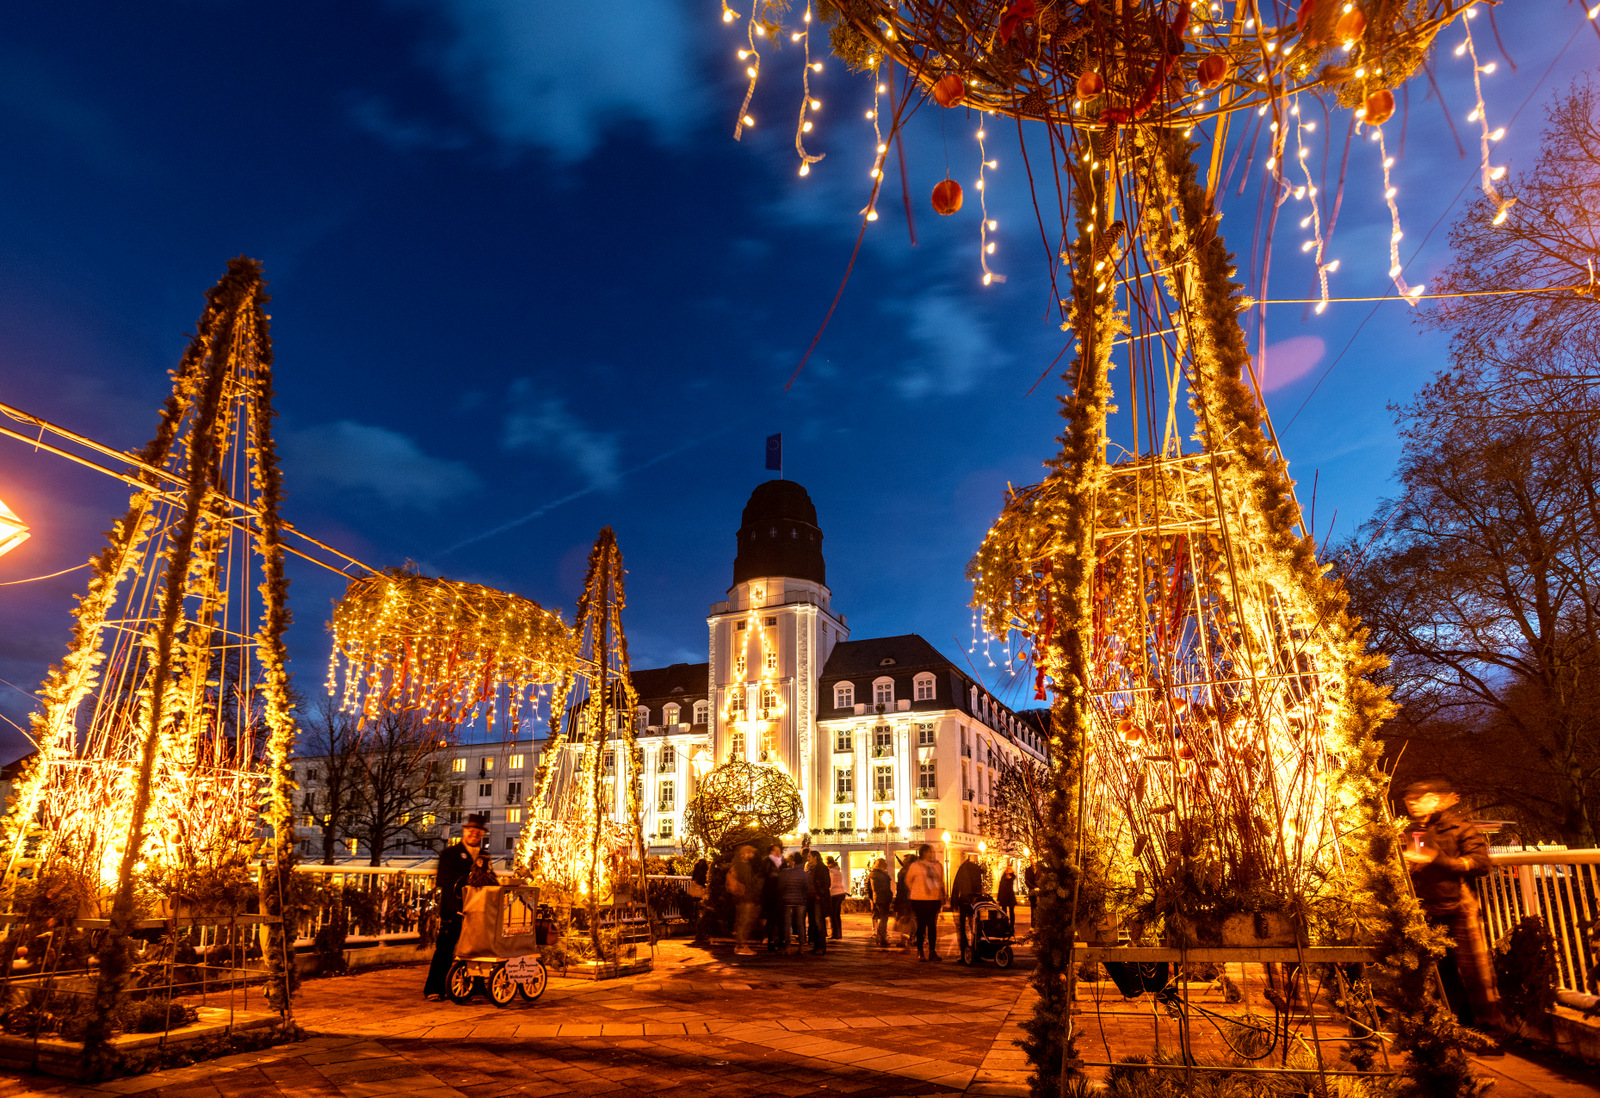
[
  {"x": 988, "y": 935},
  {"x": 499, "y": 945}
]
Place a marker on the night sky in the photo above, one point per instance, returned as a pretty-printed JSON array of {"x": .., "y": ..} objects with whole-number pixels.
[{"x": 526, "y": 285}]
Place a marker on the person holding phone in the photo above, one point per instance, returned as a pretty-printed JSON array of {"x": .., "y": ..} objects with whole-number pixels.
[{"x": 1443, "y": 853}]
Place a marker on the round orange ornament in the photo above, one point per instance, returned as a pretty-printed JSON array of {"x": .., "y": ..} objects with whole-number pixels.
[
  {"x": 1351, "y": 25},
  {"x": 1090, "y": 84},
  {"x": 1380, "y": 106},
  {"x": 946, "y": 197},
  {"x": 1212, "y": 71},
  {"x": 949, "y": 90}
]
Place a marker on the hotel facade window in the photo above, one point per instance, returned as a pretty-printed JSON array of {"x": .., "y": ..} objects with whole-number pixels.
[
  {"x": 702, "y": 712},
  {"x": 736, "y": 744},
  {"x": 843, "y": 785},
  {"x": 844, "y": 695},
  {"x": 883, "y": 692},
  {"x": 736, "y": 704},
  {"x": 883, "y": 783},
  {"x": 846, "y": 820},
  {"x": 841, "y": 739},
  {"x": 642, "y": 718},
  {"x": 924, "y": 688},
  {"x": 882, "y": 740},
  {"x": 926, "y": 731},
  {"x": 669, "y": 759},
  {"x": 669, "y": 716},
  {"x": 930, "y": 817},
  {"x": 927, "y": 778},
  {"x": 664, "y": 826},
  {"x": 769, "y": 701},
  {"x": 666, "y": 799}
]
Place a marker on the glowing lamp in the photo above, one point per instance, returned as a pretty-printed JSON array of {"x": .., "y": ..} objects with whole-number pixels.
[
  {"x": 13, "y": 531},
  {"x": 701, "y": 761},
  {"x": 946, "y": 837},
  {"x": 983, "y": 847},
  {"x": 886, "y": 818}
]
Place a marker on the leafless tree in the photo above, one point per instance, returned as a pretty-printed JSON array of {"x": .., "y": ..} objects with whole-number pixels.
[
  {"x": 330, "y": 799},
  {"x": 1482, "y": 584},
  {"x": 1015, "y": 817},
  {"x": 1549, "y": 237},
  {"x": 400, "y": 785}
]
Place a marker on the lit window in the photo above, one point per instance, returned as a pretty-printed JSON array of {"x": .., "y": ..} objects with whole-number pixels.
[
  {"x": 736, "y": 703},
  {"x": 844, "y": 695},
  {"x": 608, "y": 763},
  {"x": 843, "y": 785},
  {"x": 927, "y": 779},
  {"x": 669, "y": 758},
  {"x": 772, "y": 659},
  {"x": 882, "y": 740},
  {"x": 515, "y": 762},
  {"x": 924, "y": 688},
  {"x": 769, "y": 701},
  {"x": 459, "y": 766},
  {"x": 925, "y": 733},
  {"x": 883, "y": 692},
  {"x": 736, "y": 743},
  {"x": 929, "y": 818},
  {"x": 513, "y": 815},
  {"x": 486, "y": 764},
  {"x": 666, "y": 828},
  {"x": 841, "y": 739},
  {"x": 666, "y": 799},
  {"x": 669, "y": 716},
  {"x": 847, "y": 821},
  {"x": 883, "y": 783}
]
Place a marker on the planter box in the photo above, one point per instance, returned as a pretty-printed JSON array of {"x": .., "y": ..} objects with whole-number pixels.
[
  {"x": 53, "y": 1056},
  {"x": 1261, "y": 928}
]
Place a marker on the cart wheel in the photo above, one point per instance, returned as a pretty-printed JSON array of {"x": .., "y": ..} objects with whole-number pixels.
[
  {"x": 502, "y": 988},
  {"x": 532, "y": 989},
  {"x": 967, "y": 955},
  {"x": 460, "y": 982},
  {"x": 1003, "y": 957}
]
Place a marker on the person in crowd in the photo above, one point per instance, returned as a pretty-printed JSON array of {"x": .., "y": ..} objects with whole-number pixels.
[
  {"x": 925, "y": 885},
  {"x": 1006, "y": 895},
  {"x": 822, "y": 887},
  {"x": 965, "y": 891},
  {"x": 904, "y": 922},
  {"x": 836, "y": 894},
  {"x": 455, "y": 863},
  {"x": 1444, "y": 851},
  {"x": 794, "y": 890},
  {"x": 767, "y": 870},
  {"x": 745, "y": 889},
  {"x": 700, "y": 895},
  {"x": 880, "y": 891},
  {"x": 1030, "y": 881}
]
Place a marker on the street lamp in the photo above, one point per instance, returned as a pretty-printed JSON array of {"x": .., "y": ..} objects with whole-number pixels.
[
  {"x": 13, "y": 531},
  {"x": 886, "y": 819}
]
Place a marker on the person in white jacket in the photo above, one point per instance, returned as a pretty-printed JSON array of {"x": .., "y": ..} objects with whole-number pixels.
[
  {"x": 925, "y": 883},
  {"x": 836, "y": 895}
]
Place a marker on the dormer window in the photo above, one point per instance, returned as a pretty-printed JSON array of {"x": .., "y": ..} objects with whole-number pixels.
[
  {"x": 887, "y": 661},
  {"x": 702, "y": 712},
  {"x": 924, "y": 688},
  {"x": 669, "y": 716},
  {"x": 883, "y": 692},
  {"x": 844, "y": 695}
]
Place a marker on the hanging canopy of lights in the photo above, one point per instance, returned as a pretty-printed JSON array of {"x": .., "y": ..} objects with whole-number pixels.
[
  {"x": 1161, "y": 63},
  {"x": 739, "y": 802},
  {"x": 446, "y": 649}
]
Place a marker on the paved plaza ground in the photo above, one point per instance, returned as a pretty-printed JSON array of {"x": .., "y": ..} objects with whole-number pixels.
[{"x": 857, "y": 1022}]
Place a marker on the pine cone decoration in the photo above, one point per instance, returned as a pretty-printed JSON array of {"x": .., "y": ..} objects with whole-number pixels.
[{"x": 1034, "y": 104}]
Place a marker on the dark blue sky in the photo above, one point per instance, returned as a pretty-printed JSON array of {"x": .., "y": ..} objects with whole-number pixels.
[{"x": 521, "y": 269}]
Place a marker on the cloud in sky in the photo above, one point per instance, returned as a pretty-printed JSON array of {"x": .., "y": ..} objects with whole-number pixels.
[
  {"x": 553, "y": 75},
  {"x": 358, "y": 457},
  {"x": 956, "y": 348},
  {"x": 372, "y": 114},
  {"x": 1288, "y": 360},
  {"x": 546, "y": 425}
]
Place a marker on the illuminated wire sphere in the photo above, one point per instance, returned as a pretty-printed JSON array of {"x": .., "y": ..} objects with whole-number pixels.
[
  {"x": 740, "y": 802},
  {"x": 1156, "y": 63}
]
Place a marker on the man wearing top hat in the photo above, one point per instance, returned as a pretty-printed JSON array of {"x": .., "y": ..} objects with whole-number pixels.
[{"x": 455, "y": 863}]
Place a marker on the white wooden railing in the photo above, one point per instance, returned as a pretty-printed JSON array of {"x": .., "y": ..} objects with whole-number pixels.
[
  {"x": 399, "y": 894},
  {"x": 1562, "y": 886}
]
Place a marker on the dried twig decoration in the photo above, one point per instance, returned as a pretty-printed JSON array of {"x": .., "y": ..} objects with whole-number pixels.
[{"x": 742, "y": 801}]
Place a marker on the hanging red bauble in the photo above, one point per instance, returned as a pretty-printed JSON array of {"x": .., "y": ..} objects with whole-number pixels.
[
  {"x": 1379, "y": 108},
  {"x": 1351, "y": 25},
  {"x": 1302, "y": 20},
  {"x": 1090, "y": 84},
  {"x": 1212, "y": 70},
  {"x": 949, "y": 90},
  {"x": 946, "y": 197}
]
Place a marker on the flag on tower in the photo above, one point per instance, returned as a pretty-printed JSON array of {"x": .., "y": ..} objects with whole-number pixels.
[{"x": 775, "y": 452}]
